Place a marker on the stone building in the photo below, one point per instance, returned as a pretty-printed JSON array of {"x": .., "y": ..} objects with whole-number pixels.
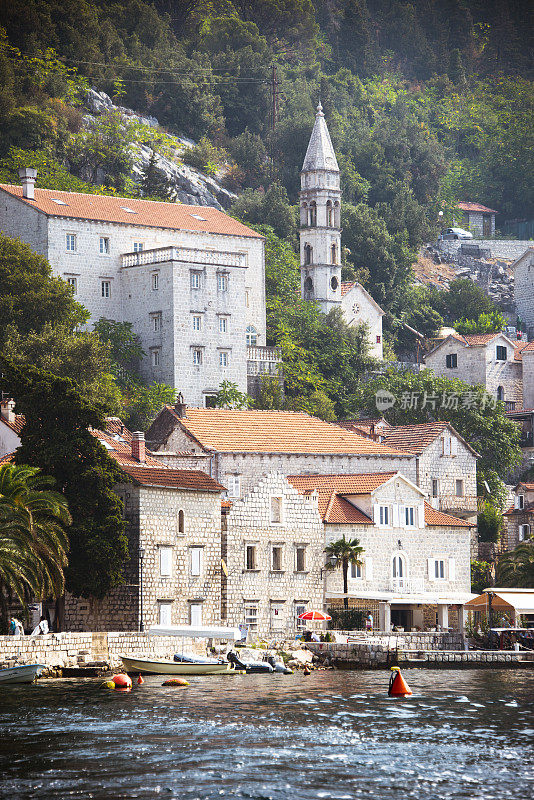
[
  {"x": 519, "y": 519},
  {"x": 523, "y": 270},
  {"x": 246, "y": 445},
  {"x": 190, "y": 279},
  {"x": 479, "y": 219},
  {"x": 415, "y": 570},
  {"x": 320, "y": 239},
  {"x": 10, "y": 427},
  {"x": 490, "y": 359},
  {"x": 273, "y": 543},
  {"x": 173, "y": 524}
]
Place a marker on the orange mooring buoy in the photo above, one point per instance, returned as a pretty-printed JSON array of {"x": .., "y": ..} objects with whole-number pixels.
[
  {"x": 307, "y": 670},
  {"x": 122, "y": 681},
  {"x": 397, "y": 685},
  {"x": 140, "y": 679}
]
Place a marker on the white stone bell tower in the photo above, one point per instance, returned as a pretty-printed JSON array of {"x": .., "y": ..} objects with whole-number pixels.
[{"x": 320, "y": 220}]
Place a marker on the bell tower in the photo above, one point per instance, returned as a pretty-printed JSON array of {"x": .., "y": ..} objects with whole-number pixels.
[{"x": 320, "y": 220}]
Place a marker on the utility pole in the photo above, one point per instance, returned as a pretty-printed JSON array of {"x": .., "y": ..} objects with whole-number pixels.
[{"x": 274, "y": 90}]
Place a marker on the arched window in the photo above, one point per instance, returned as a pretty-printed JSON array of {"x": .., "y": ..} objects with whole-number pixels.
[
  {"x": 334, "y": 283},
  {"x": 500, "y": 393},
  {"x": 308, "y": 284},
  {"x": 329, "y": 214},
  {"x": 304, "y": 214},
  {"x": 312, "y": 214},
  {"x": 252, "y": 336},
  {"x": 308, "y": 254},
  {"x": 399, "y": 571},
  {"x": 334, "y": 254},
  {"x": 181, "y": 522}
]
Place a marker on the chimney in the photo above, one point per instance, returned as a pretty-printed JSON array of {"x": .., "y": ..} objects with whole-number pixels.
[
  {"x": 179, "y": 406},
  {"x": 138, "y": 446},
  {"x": 27, "y": 177},
  {"x": 8, "y": 412}
]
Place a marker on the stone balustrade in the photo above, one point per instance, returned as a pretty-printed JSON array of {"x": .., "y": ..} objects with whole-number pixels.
[{"x": 190, "y": 255}]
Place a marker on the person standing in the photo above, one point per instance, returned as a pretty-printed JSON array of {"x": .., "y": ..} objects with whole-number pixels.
[
  {"x": 369, "y": 622},
  {"x": 15, "y": 627}
]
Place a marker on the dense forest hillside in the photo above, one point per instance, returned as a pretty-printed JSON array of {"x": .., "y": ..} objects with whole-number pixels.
[{"x": 428, "y": 102}]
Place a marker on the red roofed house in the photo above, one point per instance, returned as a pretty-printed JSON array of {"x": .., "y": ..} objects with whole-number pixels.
[
  {"x": 519, "y": 519},
  {"x": 190, "y": 279},
  {"x": 479, "y": 219},
  {"x": 10, "y": 427},
  {"x": 415, "y": 570}
]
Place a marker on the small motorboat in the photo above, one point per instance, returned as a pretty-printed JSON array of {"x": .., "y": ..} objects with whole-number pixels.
[
  {"x": 190, "y": 658},
  {"x": 25, "y": 673},
  {"x": 161, "y": 666},
  {"x": 250, "y": 667}
]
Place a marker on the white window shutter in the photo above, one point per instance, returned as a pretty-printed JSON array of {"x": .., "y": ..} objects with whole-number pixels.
[
  {"x": 454, "y": 446},
  {"x": 396, "y": 522},
  {"x": 516, "y": 501},
  {"x": 196, "y": 560},
  {"x": 376, "y": 514},
  {"x": 165, "y": 561},
  {"x": 368, "y": 561},
  {"x": 431, "y": 574},
  {"x": 452, "y": 569},
  {"x": 420, "y": 515}
]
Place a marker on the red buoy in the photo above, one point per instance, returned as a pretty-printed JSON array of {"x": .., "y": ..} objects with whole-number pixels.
[
  {"x": 140, "y": 679},
  {"x": 397, "y": 685},
  {"x": 122, "y": 681}
]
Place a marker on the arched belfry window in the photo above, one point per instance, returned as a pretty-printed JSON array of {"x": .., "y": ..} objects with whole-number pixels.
[
  {"x": 308, "y": 254},
  {"x": 329, "y": 214},
  {"x": 308, "y": 284},
  {"x": 334, "y": 254},
  {"x": 304, "y": 214},
  {"x": 252, "y": 336},
  {"x": 312, "y": 215},
  {"x": 500, "y": 393}
]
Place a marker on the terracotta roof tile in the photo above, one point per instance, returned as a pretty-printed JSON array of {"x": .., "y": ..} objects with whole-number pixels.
[
  {"x": 147, "y": 213},
  {"x": 121, "y": 451},
  {"x": 475, "y": 339},
  {"x": 343, "y": 484},
  {"x": 7, "y": 458},
  {"x": 115, "y": 425},
  {"x": 414, "y": 438},
  {"x": 254, "y": 431},
  {"x": 467, "y": 206},
  {"x": 521, "y": 348},
  {"x": 346, "y": 286},
  {"x": 439, "y": 518},
  {"x": 15, "y": 426},
  {"x": 172, "y": 478},
  {"x": 340, "y": 511}
]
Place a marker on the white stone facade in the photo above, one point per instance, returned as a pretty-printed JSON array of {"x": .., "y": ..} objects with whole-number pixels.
[
  {"x": 274, "y": 555},
  {"x": 113, "y": 281},
  {"x": 454, "y": 468},
  {"x": 358, "y": 306},
  {"x": 523, "y": 270},
  {"x": 527, "y": 360}
]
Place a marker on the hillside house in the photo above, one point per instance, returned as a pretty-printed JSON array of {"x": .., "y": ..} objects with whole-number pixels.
[
  {"x": 10, "y": 427},
  {"x": 415, "y": 570},
  {"x": 478, "y": 219},
  {"x": 523, "y": 270},
  {"x": 519, "y": 519},
  {"x": 245, "y": 446}
]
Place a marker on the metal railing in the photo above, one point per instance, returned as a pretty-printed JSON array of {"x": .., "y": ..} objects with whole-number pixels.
[
  {"x": 406, "y": 585},
  {"x": 191, "y": 255}
]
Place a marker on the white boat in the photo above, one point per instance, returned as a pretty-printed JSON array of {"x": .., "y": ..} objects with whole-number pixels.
[
  {"x": 162, "y": 666},
  {"x": 26, "y": 673}
]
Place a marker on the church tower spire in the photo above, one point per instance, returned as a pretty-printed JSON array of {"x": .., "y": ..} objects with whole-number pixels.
[{"x": 320, "y": 220}]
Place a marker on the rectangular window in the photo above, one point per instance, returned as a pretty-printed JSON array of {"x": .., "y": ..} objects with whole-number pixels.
[
  {"x": 155, "y": 281},
  {"x": 233, "y": 483},
  {"x": 250, "y": 556},
  {"x": 195, "y": 280},
  {"x": 451, "y": 361},
  {"x": 300, "y": 559},
  {"x": 446, "y": 445},
  {"x": 435, "y": 487},
  {"x": 439, "y": 568},
  {"x": 222, "y": 282},
  {"x": 276, "y": 562},
  {"x": 197, "y": 322},
  {"x": 251, "y": 616},
  {"x": 378, "y": 339},
  {"x": 156, "y": 323},
  {"x": 71, "y": 242},
  {"x": 223, "y": 359},
  {"x": 223, "y": 325},
  {"x": 164, "y": 612},
  {"x": 300, "y": 624},
  {"x": 165, "y": 562},
  {"x": 276, "y": 510},
  {"x": 384, "y": 515},
  {"x": 459, "y": 488},
  {"x": 73, "y": 283},
  {"x": 502, "y": 353},
  {"x": 105, "y": 288},
  {"x": 138, "y": 246},
  {"x": 156, "y": 357},
  {"x": 197, "y": 357},
  {"x": 409, "y": 516},
  {"x": 355, "y": 571},
  {"x": 524, "y": 532},
  {"x": 104, "y": 246},
  {"x": 196, "y": 561},
  {"x": 521, "y": 501},
  {"x": 195, "y": 614},
  {"x": 247, "y": 298}
]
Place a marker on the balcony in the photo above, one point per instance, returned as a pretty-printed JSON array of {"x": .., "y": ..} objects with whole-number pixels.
[
  {"x": 509, "y": 405},
  {"x": 264, "y": 361},
  {"x": 190, "y": 255},
  {"x": 405, "y": 585},
  {"x": 452, "y": 504}
]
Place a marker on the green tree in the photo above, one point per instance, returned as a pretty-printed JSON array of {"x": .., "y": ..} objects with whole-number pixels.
[
  {"x": 485, "y": 323},
  {"x": 463, "y": 299},
  {"x": 125, "y": 348},
  {"x": 490, "y": 523},
  {"x": 56, "y": 438},
  {"x": 267, "y": 208},
  {"x": 154, "y": 181},
  {"x": 345, "y": 551},
  {"x": 141, "y": 404},
  {"x": 516, "y": 568},
  {"x": 103, "y": 151},
  {"x": 33, "y": 541},
  {"x": 229, "y": 396},
  {"x": 481, "y": 576}
]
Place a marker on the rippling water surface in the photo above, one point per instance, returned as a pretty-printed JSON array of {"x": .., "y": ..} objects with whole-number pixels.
[{"x": 330, "y": 735}]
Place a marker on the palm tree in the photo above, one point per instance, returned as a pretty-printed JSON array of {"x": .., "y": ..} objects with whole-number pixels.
[
  {"x": 345, "y": 551},
  {"x": 33, "y": 542},
  {"x": 516, "y": 568}
]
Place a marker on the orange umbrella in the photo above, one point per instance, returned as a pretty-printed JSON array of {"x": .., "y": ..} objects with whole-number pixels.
[{"x": 318, "y": 616}]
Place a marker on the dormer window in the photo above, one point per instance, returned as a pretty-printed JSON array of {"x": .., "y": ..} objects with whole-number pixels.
[
  {"x": 502, "y": 353},
  {"x": 451, "y": 361},
  {"x": 521, "y": 501}
]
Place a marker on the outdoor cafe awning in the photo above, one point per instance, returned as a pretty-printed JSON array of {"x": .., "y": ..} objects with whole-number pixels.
[{"x": 521, "y": 600}]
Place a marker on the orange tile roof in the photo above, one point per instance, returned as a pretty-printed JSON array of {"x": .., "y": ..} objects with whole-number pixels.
[
  {"x": 343, "y": 484},
  {"x": 475, "y": 339},
  {"x": 172, "y": 478},
  {"x": 341, "y": 512},
  {"x": 346, "y": 286},
  {"x": 414, "y": 438},
  {"x": 115, "y": 425},
  {"x": 148, "y": 213},
  {"x": 15, "y": 426},
  {"x": 122, "y": 451},
  {"x": 439, "y": 518},
  {"x": 521, "y": 348},
  {"x": 254, "y": 431},
  {"x": 7, "y": 458},
  {"x": 467, "y": 206}
]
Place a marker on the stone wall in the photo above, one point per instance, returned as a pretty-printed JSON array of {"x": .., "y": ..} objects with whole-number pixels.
[
  {"x": 273, "y": 590},
  {"x": 508, "y": 249},
  {"x": 84, "y": 649},
  {"x": 524, "y": 290}
]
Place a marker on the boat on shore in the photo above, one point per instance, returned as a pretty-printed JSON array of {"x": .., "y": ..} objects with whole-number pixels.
[
  {"x": 162, "y": 666},
  {"x": 25, "y": 673}
]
